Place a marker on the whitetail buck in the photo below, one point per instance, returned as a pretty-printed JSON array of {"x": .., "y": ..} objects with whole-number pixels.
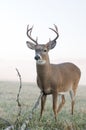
[{"x": 53, "y": 79}]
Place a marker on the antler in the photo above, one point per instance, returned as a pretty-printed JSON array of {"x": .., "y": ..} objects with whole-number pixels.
[
  {"x": 56, "y": 31},
  {"x": 29, "y": 31}
]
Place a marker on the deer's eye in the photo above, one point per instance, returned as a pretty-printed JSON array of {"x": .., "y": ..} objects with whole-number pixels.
[{"x": 45, "y": 50}]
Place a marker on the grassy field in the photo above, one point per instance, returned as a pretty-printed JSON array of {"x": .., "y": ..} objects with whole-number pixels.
[{"x": 28, "y": 96}]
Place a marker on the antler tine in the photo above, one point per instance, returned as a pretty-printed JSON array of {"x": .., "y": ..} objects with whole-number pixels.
[
  {"x": 29, "y": 31},
  {"x": 56, "y": 31},
  {"x": 56, "y": 28}
]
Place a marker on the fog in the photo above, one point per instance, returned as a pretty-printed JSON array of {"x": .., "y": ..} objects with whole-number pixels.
[{"x": 27, "y": 69}]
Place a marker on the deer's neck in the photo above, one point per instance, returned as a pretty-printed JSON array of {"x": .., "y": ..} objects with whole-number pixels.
[
  {"x": 43, "y": 71},
  {"x": 44, "y": 76}
]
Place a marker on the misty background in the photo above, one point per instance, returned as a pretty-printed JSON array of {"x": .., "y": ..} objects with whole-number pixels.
[{"x": 15, "y": 15}]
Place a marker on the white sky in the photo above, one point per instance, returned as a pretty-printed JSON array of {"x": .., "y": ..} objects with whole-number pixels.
[{"x": 68, "y": 15}]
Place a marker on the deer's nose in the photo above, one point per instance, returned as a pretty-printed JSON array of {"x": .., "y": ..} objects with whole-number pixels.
[{"x": 37, "y": 57}]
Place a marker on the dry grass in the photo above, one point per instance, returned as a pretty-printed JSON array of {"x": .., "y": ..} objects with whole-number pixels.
[{"x": 29, "y": 94}]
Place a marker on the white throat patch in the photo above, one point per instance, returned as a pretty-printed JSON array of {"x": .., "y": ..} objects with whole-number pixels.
[{"x": 41, "y": 62}]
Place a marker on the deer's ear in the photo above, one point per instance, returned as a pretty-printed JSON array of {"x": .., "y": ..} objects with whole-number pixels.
[
  {"x": 30, "y": 45},
  {"x": 51, "y": 44}
]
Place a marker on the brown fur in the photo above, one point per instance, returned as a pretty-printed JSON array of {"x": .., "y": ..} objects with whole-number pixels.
[
  {"x": 58, "y": 78},
  {"x": 54, "y": 79}
]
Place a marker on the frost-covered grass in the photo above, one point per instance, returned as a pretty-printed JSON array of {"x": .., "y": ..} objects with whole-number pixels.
[{"x": 28, "y": 96}]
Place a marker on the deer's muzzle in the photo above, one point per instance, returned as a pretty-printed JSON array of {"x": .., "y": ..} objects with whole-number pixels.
[{"x": 37, "y": 57}]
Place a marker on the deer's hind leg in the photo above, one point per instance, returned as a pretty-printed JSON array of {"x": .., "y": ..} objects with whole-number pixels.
[
  {"x": 72, "y": 95},
  {"x": 61, "y": 104}
]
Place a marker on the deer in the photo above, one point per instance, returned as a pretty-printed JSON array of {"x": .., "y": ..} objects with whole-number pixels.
[{"x": 54, "y": 79}]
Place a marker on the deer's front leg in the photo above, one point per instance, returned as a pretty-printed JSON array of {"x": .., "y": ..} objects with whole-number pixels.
[
  {"x": 55, "y": 104},
  {"x": 43, "y": 100}
]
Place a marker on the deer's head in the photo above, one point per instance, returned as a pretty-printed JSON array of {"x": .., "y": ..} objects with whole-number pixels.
[{"x": 41, "y": 50}]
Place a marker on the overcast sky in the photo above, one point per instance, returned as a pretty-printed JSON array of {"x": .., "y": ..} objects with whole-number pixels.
[{"x": 68, "y": 15}]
